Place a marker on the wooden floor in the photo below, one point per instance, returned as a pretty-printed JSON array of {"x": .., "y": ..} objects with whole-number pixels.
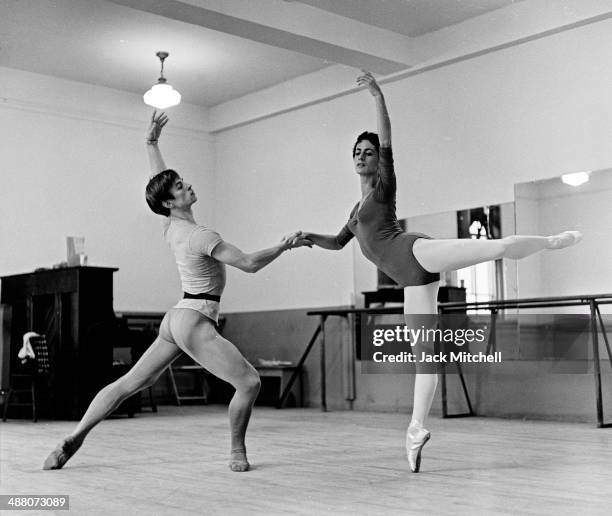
[{"x": 306, "y": 462}]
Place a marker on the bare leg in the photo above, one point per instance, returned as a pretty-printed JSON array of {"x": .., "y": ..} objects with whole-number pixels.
[
  {"x": 196, "y": 335},
  {"x": 420, "y": 300},
  {"x": 453, "y": 254},
  {"x": 144, "y": 373}
]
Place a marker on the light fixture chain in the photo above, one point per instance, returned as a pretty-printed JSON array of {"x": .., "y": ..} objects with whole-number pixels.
[
  {"x": 162, "y": 95},
  {"x": 162, "y": 56}
]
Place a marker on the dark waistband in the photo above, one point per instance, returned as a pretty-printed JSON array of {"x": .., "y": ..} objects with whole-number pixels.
[{"x": 210, "y": 297}]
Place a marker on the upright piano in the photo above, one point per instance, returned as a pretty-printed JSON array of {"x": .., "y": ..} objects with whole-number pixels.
[{"x": 73, "y": 307}]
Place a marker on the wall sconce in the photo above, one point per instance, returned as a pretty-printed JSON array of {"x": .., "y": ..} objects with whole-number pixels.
[
  {"x": 162, "y": 95},
  {"x": 576, "y": 179}
]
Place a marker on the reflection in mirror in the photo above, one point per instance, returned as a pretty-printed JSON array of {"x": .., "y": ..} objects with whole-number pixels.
[
  {"x": 484, "y": 282},
  {"x": 553, "y": 205}
]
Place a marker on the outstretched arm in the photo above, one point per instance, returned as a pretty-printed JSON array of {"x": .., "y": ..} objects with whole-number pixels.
[
  {"x": 324, "y": 241},
  {"x": 382, "y": 115},
  {"x": 156, "y": 161},
  {"x": 252, "y": 262}
]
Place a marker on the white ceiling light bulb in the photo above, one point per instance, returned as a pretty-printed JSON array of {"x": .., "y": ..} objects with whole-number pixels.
[
  {"x": 162, "y": 95},
  {"x": 576, "y": 179}
]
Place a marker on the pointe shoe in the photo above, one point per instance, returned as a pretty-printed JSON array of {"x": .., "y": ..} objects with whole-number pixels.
[
  {"x": 58, "y": 457},
  {"x": 564, "y": 239},
  {"x": 416, "y": 438}
]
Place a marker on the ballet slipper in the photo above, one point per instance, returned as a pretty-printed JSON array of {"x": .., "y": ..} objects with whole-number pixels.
[
  {"x": 238, "y": 461},
  {"x": 563, "y": 240},
  {"x": 62, "y": 453},
  {"x": 416, "y": 438}
]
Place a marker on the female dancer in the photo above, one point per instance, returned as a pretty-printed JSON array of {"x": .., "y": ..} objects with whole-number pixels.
[
  {"x": 190, "y": 325},
  {"x": 413, "y": 260}
]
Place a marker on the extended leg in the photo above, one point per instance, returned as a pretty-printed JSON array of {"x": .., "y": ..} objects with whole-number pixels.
[
  {"x": 453, "y": 254},
  {"x": 144, "y": 373},
  {"x": 196, "y": 335}
]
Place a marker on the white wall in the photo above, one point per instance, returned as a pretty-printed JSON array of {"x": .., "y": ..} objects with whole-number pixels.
[
  {"x": 463, "y": 135},
  {"x": 74, "y": 163},
  {"x": 275, "y": 177}
]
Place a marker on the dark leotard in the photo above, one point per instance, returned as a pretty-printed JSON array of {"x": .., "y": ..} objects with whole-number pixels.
[{"x": 379, "y": 233}]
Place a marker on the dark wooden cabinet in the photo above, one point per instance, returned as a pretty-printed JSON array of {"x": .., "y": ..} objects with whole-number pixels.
[{"x": 73, "y": 307}]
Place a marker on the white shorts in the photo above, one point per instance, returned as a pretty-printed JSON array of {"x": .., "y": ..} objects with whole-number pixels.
[{"x": 205, "y": 306}]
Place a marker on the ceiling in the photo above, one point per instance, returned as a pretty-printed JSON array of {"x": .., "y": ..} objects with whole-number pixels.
[
  {"x": 219, "y": 49},
  {"x": 409, "y": 17}
]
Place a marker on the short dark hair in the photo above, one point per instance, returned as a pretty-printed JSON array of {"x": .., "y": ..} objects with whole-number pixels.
[
  {"x": 371, "y": 137},
  {"x": 158, "y": 191}
]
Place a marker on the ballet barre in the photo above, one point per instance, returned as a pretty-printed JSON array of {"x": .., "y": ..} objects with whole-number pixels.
[
  {"x": 595, "y": 318},
  {"x": 592, "y": 301},
  {"x": 344, "y": 312}
]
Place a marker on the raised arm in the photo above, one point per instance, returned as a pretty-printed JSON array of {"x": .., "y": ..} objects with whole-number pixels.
[
  {"x": 156, "y": 161},
  {"x": 382, "y": 115},
  {"x": 252, "y": 262}
]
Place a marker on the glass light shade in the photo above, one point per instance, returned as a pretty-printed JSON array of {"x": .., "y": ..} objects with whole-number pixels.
[
  {"x": 162, "y": 96},
  {"x": 576, "y": 179}
]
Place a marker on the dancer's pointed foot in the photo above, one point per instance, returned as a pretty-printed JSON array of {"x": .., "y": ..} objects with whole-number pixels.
[
  {"x": 238, "y": 461},
  {"x": 64, "y": 450},
  {"x": 565, "y": 239},
  {"x": 416, "y": 438}
]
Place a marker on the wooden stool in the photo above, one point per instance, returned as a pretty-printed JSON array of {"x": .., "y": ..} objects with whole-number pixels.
[{"x": 284, "y": 372}]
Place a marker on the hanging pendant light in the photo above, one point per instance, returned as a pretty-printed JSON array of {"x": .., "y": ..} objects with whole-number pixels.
[{"x": 162, "y": 95}]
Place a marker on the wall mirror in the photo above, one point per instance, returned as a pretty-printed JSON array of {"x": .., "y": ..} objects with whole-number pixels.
[
  {"x": 483, "y": 282},
  {"x": 583, "y": 202},
  {"x": 541, "y": 207}
]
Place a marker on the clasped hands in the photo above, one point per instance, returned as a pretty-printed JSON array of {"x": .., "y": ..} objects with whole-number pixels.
[{"x": 296, "y": 239}]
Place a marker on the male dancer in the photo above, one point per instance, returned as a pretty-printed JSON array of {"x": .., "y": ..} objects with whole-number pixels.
[{"x": 201, "y": 255}]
